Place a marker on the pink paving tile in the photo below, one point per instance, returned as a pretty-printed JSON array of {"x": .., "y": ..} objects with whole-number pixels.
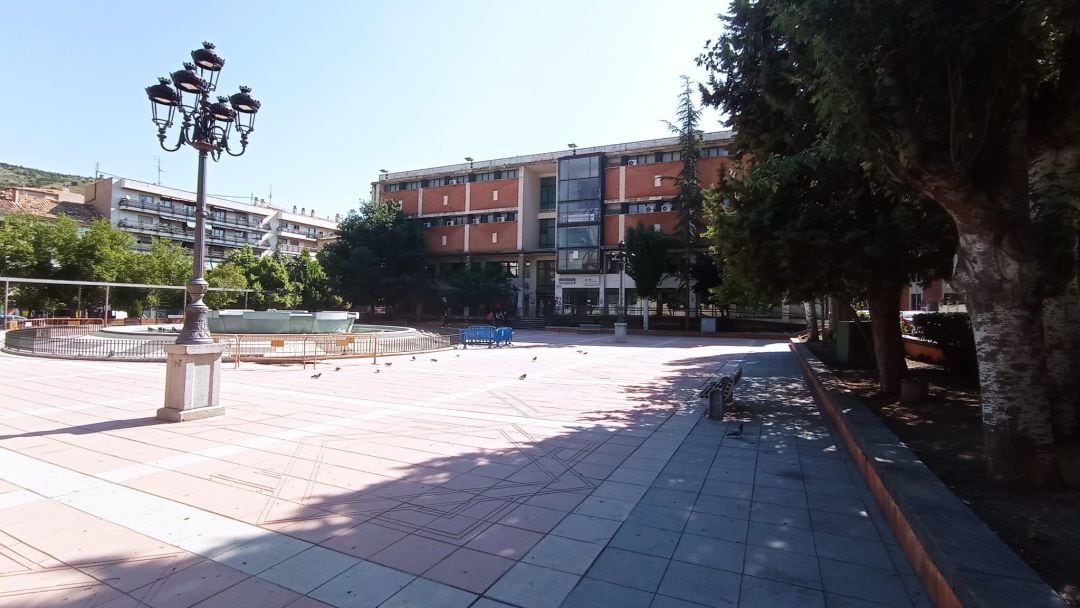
[
  {"x": 251, "y": 593},
  {"x": 470, "y": 481},
  {"x": 470, "y": 570},
  {"x": 189, "y": 586},
  {"x": 505, "y": 541},
  {"x": 531, "y": 517},
  {"x": 364, "y": 540},
  {"x": 413, "y": 554},
  {"x": 135, "y": 571},
  {"x": 452, "y": 528},
  {"x": 94, "y": 594},
  {"x": 311, "y": 525}
]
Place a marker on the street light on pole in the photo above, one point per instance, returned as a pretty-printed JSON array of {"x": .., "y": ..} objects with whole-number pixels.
[
  {"x": 206, "y": 126},
  {"x": 622, "y": 292},
  {"x": 193, "y": 369}
]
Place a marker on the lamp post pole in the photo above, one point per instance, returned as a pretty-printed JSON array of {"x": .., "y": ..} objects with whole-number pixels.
[
  {"x": 620, "y": 321},
  {"x": 193, "y": 370}
]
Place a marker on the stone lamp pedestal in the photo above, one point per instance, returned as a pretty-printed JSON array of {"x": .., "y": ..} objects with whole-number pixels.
[
  {"x": 192, "y": 382},
  {"x": 620, "y": 332}
]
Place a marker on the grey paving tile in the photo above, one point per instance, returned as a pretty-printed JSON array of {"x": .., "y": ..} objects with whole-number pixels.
[
  {"x": 844, "y": 525},
  {"x": 780, "y": 515},
  {"x": 309, "y": 569},
  {"x": 365, "y": 585},
  {"x": 634, "y": 476},
  {"x": 786, "y": 538},
  {"x": 706, "y": 586},
  {"x": 608, "y": 508},
  {"x": 629, "y": 569},
  {"x": 532, "y": 586},
  {"x": 591, "y": 593},
  {"x": 663, "y": 601},
  {"x": 918, "y": 597},
  {"x": 728, "y": 489},
  {"x": 899, "y": 559},
  {"x": 646, "y": 539},
  {"x": 836, "y": 488},
  {"x": 688, "y": 469},
  {"x": 833, "y": 600},
  {"x": 676, "y": 499},
  {"x": 854, "y": 550},
  {"x": 722, "y": 505},
  {"x": 846, "y": 505},
  {"x": 586, "y": 528},
  {"x": 711, "y": 552},
  {"x": 659, "y": 517},
  {"x": 863, "y": 582},
  {"x": 620, "y": 490},
  {"x": 783, "y": 482},
  {"x": 422, "y": 593},
  {"x": 763, "y": 593},
  {"x": 679, "y": 482},
  {"x": 729, "y": 473},
  {"x": 488, "y": 603},
  {"x": 717, "y": 526},
  {"x": 786, "y": 566},
  {"x": 566, "y": 554},
  {"x": 779, "y": 496},
  {"x": 645, "y": 464}
]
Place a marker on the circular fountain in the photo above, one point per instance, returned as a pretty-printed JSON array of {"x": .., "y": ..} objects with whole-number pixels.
[{"x": 242, "y": 321}]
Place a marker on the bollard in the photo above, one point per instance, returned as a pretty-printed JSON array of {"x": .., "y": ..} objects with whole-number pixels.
[{"x": 717, "y": 401}]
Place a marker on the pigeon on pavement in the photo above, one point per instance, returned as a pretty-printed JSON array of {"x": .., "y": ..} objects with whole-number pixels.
[
  {"x": 522, "y": 376},
  {"x": 317, "y": 376}
]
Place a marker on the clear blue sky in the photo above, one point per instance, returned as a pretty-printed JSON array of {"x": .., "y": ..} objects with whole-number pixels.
[{"x": 347, "y": 87}]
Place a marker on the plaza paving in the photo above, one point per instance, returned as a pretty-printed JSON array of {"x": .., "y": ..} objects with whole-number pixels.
[{"x": 444, "y": 481}]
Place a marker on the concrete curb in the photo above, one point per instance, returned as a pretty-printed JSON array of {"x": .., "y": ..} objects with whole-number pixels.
[{"x": 961, "y": 562}]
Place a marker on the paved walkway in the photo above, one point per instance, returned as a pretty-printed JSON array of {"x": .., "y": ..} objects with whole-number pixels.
[{"x": 444, "y": 481}]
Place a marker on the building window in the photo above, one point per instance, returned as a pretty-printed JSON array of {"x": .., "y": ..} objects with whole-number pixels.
[
  {"x": 714, "y": 152},
  {"x": 579, "y": 260},
  {"x": 547, "y": 234},
  {"x": 494, "y": 237},
  {"x": 146, "y": 198},
  {"x": 545, "y": 275},
  {"x": 668, "y": 157},
  {"x": 579, "y": 236},
  {"x": 488, "y": 176},
  {"x": 444, "y": 240},
  {"x": 547, "y": 193}
]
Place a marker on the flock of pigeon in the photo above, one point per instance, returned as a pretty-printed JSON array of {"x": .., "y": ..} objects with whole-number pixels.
[{"x": 433, "y": 360}]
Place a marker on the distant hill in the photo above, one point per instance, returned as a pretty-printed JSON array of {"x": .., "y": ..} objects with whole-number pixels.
[{"x": 14, "y": 175}]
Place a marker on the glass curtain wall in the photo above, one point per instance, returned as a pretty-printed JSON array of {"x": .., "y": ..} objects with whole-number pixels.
[{"x": 579, "y": 214}]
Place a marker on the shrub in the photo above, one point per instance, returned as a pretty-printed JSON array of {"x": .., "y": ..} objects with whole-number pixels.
[{"x": 952, "y": 332}]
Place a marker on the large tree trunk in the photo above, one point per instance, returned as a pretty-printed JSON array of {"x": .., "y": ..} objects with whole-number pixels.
[
  {"x": 1061, "y": 337},
  {"x": 889, "y": 355},
  {"x": 645, "y": 314},
  {"x": 999, "y": 283},
  {"x": 811, "y": 320}
]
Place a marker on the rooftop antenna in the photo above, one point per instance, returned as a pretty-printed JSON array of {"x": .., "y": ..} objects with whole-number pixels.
[
  {"x": 271, "y": 193},
  {"x": 158, "y": 159}
]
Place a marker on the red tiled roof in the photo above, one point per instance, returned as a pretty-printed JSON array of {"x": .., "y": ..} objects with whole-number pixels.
[{"x": 45, "y": 207}]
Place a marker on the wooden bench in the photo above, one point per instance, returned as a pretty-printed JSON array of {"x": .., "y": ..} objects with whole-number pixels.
[
  {"x": 589, "y": 328},
  {"x": 720, "y": 388}
]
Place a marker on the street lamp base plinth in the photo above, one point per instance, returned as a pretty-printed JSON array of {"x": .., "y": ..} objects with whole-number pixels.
[
  {"x": 620, "y": 332},
  {"x": 192, "y": 382}
]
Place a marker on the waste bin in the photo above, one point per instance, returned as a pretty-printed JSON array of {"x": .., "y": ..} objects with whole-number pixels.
[{"x": 708, "y": 325}]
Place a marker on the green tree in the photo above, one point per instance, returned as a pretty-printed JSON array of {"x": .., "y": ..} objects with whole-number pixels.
[
  {"x": 480, "y": 287},
  {"x": 227, "y": 275},
  {"x": 378, "y": 257},
  {"x": 690, "y": 200},
  {"x": 270, "y": 277},
  {"x": 976, "y": 106},
  {"x": 648, "y": 262},
  {"x": 310, "y": 281}
]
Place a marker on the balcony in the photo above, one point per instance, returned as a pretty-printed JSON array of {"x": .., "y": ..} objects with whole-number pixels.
[
  {"x": 161, "y": 230},
  {"x": 184, "y": 211},
  {"x": 295, "y": 249}
]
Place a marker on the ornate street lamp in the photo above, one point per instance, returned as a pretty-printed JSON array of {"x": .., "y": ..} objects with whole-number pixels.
[
  {"x": 621, "y": 256},
  {"x": 206, "y": 125}
]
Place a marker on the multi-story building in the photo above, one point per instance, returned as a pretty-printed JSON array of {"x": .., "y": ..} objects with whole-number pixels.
[
  {"x": 553, "y": 220},
  {"x": 149, "y": 211},
  {"x": 299, "y": 230}
]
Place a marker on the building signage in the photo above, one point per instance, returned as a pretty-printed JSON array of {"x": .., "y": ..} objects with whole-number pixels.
[
  {"x": 567, "y": 281},
  {"x": 591, "y": 281}
]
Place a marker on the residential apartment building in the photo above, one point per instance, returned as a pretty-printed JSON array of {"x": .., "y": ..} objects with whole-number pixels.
[
  {"x": 553, "y": 220},
  {"x": 149, "y": 211}
]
